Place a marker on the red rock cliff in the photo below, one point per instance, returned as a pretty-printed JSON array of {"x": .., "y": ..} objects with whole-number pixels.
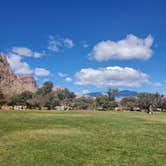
[{"x": 10, "y": 83}]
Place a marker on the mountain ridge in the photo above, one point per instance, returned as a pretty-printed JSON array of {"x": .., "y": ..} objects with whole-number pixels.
[
  {"x": 10, "y": 83},
  {"x": 121, "y": 94}
]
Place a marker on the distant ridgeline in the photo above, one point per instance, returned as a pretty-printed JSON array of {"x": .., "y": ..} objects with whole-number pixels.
[
  {"x": 121, "y": 94},
  {"x": 11, "y": 83}
]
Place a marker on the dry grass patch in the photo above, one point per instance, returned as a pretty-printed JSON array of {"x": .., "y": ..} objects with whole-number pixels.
[
  {"x": 154, "y": 118},
  {"x": 36, "y": 115},
  {"x": 43, "y": 115},
  {"x": 38, "y": 135}
]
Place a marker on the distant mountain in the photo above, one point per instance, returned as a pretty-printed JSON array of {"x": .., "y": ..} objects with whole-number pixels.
[
  {"x": 95, "y": 94},
  {"x": 121, "y": 94},
  {"x": 11, "y": 83},
  {"x": 126, "y": 93}
]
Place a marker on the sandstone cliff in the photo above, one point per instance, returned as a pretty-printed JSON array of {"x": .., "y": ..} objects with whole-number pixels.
[{"x": 11, "y": 83}]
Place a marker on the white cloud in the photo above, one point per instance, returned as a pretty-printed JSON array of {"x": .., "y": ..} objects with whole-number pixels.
[
  {"x": 85, "y": 91},
  {"x": 157, "y": 84},
  {"x": 57, "y": 43},
  {"x": 15, "y": 58},
  {"x": 68, "y": 79},
  {"x": 21, "y": 67},
  {"x": 54, "y": 44},
  {"x": 41, "y": 72},
  {"x": 131, "y": 47},
  {"x": 111, "y": 76},
  {"x": 68, "y": 43},
  {"x": 18, "y": 66},
  {"x": 23, "y": 51},
  {"x": 60, "y": 74},
  {"x": 85, "y": 45},
  {"x": 37, "y": 55}
]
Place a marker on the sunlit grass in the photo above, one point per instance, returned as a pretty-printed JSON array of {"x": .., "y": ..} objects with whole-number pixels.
[{"x": 82, "y": 138}]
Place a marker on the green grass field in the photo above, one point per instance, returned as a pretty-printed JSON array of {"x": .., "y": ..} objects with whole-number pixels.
[{"x": 50, "y": 138}]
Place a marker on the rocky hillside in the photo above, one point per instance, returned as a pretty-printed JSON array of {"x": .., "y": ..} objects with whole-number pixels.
[{"x": 11, "y": 83}]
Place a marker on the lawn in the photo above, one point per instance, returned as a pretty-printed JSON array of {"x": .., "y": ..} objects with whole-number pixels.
[{"x": 76, "y": 138}]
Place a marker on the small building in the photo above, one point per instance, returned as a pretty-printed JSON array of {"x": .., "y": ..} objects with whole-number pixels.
[
  {"x": 158, "y": 109},
  {"x": 18, "y": 107},
  {"x": 136, "y": 109},
  {"x": 100, "y": 109},
  {"x": 60, "y": 108}
]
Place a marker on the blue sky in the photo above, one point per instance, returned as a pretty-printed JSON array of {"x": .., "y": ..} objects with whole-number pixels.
[{"x": 87, "y": 45}]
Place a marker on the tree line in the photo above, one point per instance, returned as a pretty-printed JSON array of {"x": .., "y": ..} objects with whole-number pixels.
[
  {"x": 45, "y": 97},
  {"x": 145, "y": 101}
]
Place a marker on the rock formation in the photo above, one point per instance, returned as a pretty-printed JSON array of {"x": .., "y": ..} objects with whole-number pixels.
[{"x": 11, "y": 83}]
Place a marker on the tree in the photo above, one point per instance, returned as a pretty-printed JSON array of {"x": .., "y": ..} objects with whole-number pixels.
[
  {"x": 21, "y": 99},
  {"x": 112, "y": 93},
  {"x": 157, "y": 100},
  {"x": 105, "y": 103},
  {"x": 37, "y": 101},
  {"x": 163, "y": 103},
  {"x": 43, "y": 96},
  {"x": 65, "y": 96},
  {"x": 145, "y": 100},
  {"x": 45, "y": 89},
  {"x": 2, "y": 99},
  {"x": 113, "y": 104},
  {"x": 84, "y": 103},
  {"x": 129, "y": 102},
  {"x": 51, "y": 101}
]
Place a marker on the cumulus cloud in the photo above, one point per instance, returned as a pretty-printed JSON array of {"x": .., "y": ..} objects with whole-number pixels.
[
  {"x": 24, "y": 51},
  {"x": 68, "y": 79},
  {"x": 16, "y": 59},
  {"x": 21, "y": 67},
  {"x": 85, "y": 45},
  {"x": 18, "y": 66},
  {"x": 111, "y": 76},
  {"x": 54, "y": 44},
  {"x": 157, "y": 84},
  {"x": 132, "y": 47},
  {"x": 37, "y": 54},
  {"x": 60, "y": 74},
  {"x": 68, "y": 43},
  {"x": 57, "y": 43},
  {"x": 41, "y": 72},
  {"x": 65, "y": 76}
]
